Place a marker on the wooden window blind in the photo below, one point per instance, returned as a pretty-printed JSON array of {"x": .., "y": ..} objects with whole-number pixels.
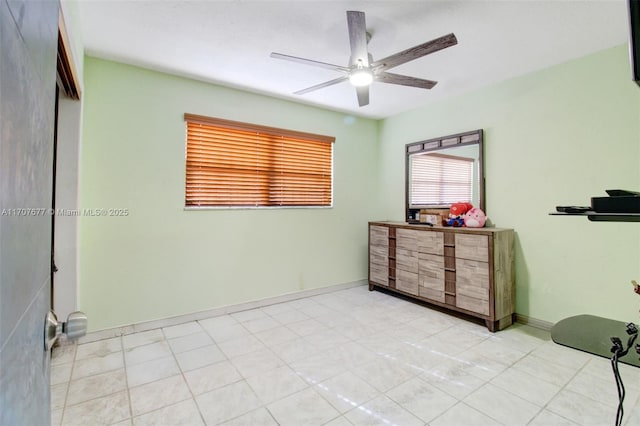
[
  {"x": 440, "y": 179},
  {"x": 238, "y": 164}
]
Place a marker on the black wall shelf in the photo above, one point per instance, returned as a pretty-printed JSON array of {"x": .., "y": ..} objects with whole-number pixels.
[{"x": 604, "y": 217}]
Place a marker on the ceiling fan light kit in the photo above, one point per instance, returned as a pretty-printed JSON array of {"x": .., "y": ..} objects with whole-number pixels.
[
  {"x": 363, "y": 70},
  {"x": 361, "y": 77}
]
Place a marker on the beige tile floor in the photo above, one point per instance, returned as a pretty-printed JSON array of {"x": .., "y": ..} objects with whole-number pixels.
[{"x": 348, "y": 357}]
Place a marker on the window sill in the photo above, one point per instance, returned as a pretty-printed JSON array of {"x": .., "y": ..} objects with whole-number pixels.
[{"x": 254, "y": 208}]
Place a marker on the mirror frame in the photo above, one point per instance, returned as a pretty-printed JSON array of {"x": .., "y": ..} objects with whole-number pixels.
[{"x": 475, "y": 137}]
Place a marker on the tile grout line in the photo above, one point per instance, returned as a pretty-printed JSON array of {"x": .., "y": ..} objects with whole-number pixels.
[
  {"x": 126, "y": 379},
  {"x": 564, "y": 387},
  {"x": 173, "y": 354},
  {"x": 546, "y": 405},
  {"x": 285, "y": 363},
  {"x": 540, "y": 409},
  {"x": 66, "y": 406},
  {"x": 263, "y": 404},
  {"x": 489, "y": 381},
  {"x": 174, "y": 357},
  {"x": 312, "y": 386},
  {"x": 66, "y": 393}
]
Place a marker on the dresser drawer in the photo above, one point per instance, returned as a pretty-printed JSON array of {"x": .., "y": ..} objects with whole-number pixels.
[
  {"x": 472, "y": 304},
  {"x": 379, "y": 236},
  {"x": 406, "y": 239},
  {"x": 407, "y": 260},
  {"x": 472, "y": 247},
  {"x": 431, "y": 271},
  {"x": 431, "y": 242},
  {"x": 379, "y": 259},
  {"x": 407, "y": 281},
  {"x": 379, "y": 251},
  {"x": 432, "y": 294},
  {"x": 379, "y": 274}
]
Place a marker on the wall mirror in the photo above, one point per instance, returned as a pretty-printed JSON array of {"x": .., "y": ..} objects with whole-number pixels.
[{"x": 443, "y": 171}]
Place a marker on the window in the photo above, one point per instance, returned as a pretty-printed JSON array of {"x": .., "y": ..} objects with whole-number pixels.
[
  {"x": 239, "y": 164},
  {"x": 440, "y": 179}
]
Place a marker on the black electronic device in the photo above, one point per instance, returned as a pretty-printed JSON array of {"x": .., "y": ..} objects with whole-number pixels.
[
  {"x": 621, "y": 193},
  {"x": 618, "y": 201},
  {"x": 573, "y": 209}
]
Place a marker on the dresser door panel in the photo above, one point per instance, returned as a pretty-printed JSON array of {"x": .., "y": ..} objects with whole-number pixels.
[
  {"x": 379, "y": 274},
  {"x": 472, "y": 247},
  {"x": 379, "y": 254},
  {"x": 472, "y": 286},
  {"x": 473, "y": 275},
  {"x": 378, "y": 259},
  {"x": 379, "y": 250}
]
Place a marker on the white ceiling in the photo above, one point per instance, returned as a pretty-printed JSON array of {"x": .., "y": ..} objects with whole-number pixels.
[{"x": 229, "y": 42}]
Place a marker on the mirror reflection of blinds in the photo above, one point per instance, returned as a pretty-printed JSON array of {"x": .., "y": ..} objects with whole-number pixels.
[{"x": 440, "y": 179}]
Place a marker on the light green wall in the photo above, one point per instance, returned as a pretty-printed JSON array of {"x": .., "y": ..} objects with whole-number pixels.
[
  {"x": 557, "y": 136},
  {"x": 162, "y": 261},
  {"x": 554, "y": 137}
]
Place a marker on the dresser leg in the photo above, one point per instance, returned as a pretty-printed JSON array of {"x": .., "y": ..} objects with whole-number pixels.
[
  {"x": 500, "y": 324},
  {"x": 371, "y": 287}
]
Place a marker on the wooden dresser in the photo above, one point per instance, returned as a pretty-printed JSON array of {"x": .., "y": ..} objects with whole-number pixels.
[{"x": 469, "y": 270}]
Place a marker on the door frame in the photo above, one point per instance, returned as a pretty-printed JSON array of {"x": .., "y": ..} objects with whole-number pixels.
[{"x": 64, "y": 241}]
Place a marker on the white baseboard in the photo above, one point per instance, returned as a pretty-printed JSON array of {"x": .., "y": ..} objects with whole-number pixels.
[
  {"x": 223, "y": 310},
  {"x": 534, "y": 322}
]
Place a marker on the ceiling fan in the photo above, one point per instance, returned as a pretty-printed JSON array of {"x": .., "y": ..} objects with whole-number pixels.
[{"x": 363, "y": 70}]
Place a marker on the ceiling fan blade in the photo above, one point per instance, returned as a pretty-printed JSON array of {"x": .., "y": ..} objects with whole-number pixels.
[
  {"x": 405, "y": 80},
  {"x": 309, "y": 62},
  {"x": 358, "y": 37},
  {"x": 416, "y": 52},
  {"x": 321, "y": 85},
  {"x": 363, "y": 95}
]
